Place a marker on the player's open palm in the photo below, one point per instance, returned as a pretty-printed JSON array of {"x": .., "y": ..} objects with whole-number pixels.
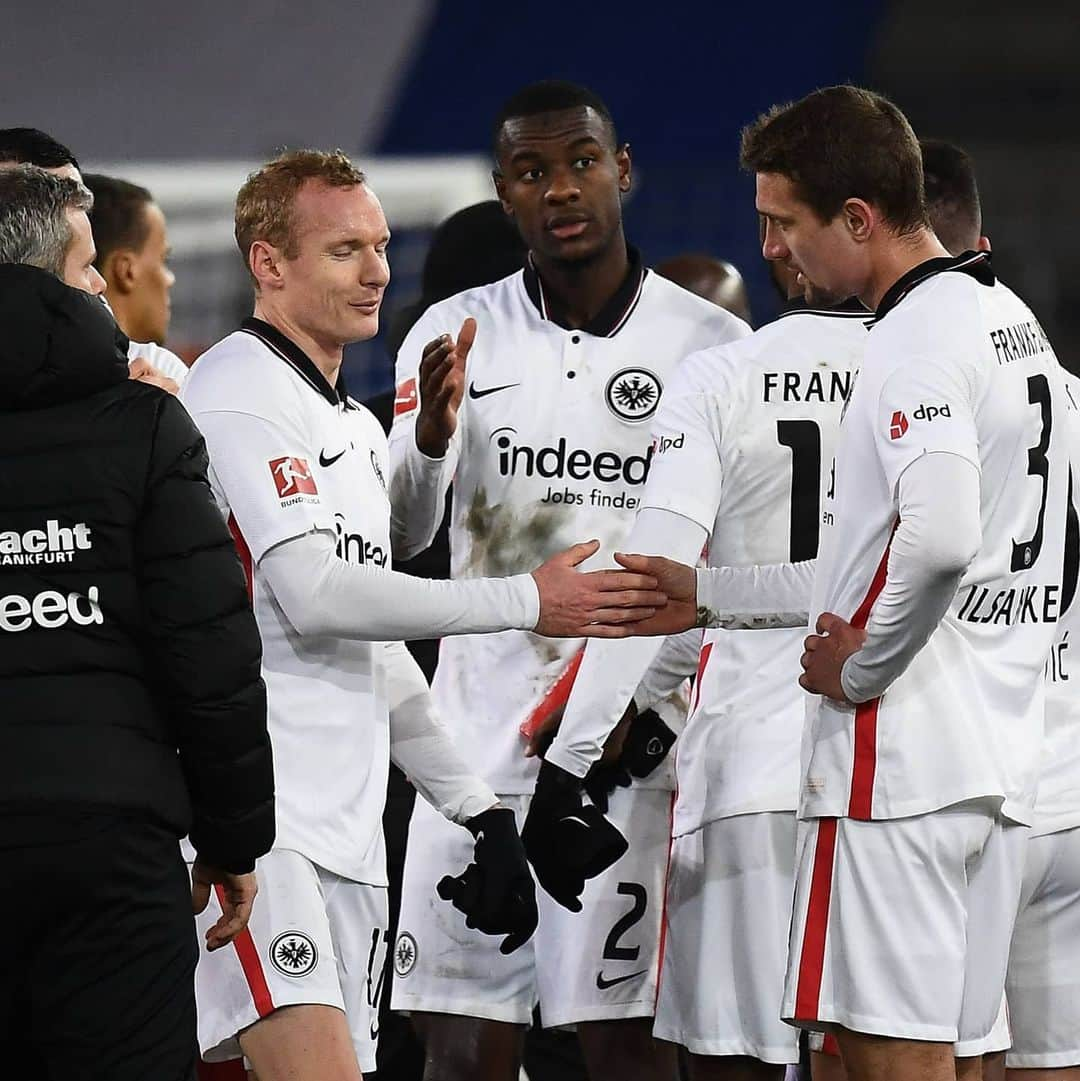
[
  {"x": 600, "y": 604},
  {"x": 441, "y": 386},
  {"x": 237, "y": 894}
]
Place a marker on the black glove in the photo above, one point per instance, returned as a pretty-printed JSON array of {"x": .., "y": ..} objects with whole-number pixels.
[
  {"x": 567, "y": 842},
  {"x": 496, "y": 891},
  {"x": 646, "y": 745},
  {"x": 603, "y": 779}
]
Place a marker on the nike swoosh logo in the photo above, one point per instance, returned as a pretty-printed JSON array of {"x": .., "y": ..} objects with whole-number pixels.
[
  {"x": 325, "y": 461},
  {"x": 603, "y": 984},
  {"x": 474, "y": 393}
]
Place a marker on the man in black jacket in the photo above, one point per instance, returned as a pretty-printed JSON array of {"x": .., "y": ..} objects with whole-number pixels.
[{"x": 132, "y": 707}]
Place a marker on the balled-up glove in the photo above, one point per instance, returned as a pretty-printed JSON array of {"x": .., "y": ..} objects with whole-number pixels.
[
  {"x": 566, "y": 841},
  {"x": 645, "y": 746},
  {"x": 496, "y": 891}
]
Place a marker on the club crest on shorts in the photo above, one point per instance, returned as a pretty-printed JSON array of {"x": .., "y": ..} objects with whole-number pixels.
[
  {"x": 405, "y": 952},
  {"x": 293, "y": 953},
  {"x": 633, "y": 394}
]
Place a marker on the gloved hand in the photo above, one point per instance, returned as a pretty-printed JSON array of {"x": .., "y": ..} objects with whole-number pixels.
[
  {"x": 566, "y": 841},
  {"x": 644, "y": 746},
  {"x": 496, "y": 892}
]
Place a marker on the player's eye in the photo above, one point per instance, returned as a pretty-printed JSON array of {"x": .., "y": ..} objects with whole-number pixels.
[
  {"x": 584, "y": 162},
  {"x": 530, "y": 175}
]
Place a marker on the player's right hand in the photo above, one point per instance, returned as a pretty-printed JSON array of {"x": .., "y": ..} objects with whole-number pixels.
[
  {"x": 599, "y": 604},
  {"x": 567, "y": 842},
  {"x": 237, "y": 896},
  {"x": 677, "y": 582},
  {"x": 441, "y": 384}
]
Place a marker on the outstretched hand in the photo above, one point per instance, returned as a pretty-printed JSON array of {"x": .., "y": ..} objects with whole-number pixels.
[
  {"x": 598, "y": 604},
  {"x": 677, "y": 582},
  {"x": 825, "y": 653}
]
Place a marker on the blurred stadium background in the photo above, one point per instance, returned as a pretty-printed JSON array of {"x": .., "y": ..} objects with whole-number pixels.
[{"x": 186, "y": 98}]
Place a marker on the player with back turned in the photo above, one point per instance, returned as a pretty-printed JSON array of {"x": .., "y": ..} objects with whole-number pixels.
[
  {"x": 941, "y": 579},
  {"x": 534, "y": 396}
]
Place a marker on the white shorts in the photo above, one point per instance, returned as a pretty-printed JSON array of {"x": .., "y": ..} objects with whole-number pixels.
[
  {"x": 999, "y": 1039},
  {"x": 594, "y": 965},
  {"x": 901, "y": 927},
  {"x": 313, "y": 938},
  {"x": 725, "y": 940},
  {"x": 1043, "y": 983}
]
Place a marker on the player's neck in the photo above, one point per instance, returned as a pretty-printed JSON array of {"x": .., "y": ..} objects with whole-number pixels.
[
  {"x": 583, "y": 289},
  {"x": 326, "y": 356},
  {"x": 896, "y": 256}
]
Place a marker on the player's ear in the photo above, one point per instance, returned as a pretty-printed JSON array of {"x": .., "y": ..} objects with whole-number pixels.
[
  {"x": 118, "y": 269},
  {"x": 984, "y": 244},
  {"x": 264, "y": 262},
  {"x": 860, "y": 219},
  {"x": 500, "y": 190},
  {"x": 622, "y": 160}
]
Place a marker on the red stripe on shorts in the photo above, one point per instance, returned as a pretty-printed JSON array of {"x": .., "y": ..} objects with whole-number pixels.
[
  {"x": 663, "y": 907},
  {"x": 244, "y": 552},
  {"x": 702, "y": 661},
  {"x": 251, "y": 965},
  {"x": 230, "y": 1070},
  {"x": 829, "y": 1046},
  {"x": 812, "y": 958},
  {"x": 864, "y": 764}
]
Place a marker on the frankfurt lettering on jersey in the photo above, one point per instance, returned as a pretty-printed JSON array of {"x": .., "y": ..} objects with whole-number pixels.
[
  {"x": 53, "y": 544},
  {"x": 1019, "y": 341},
  {"x": 816, "y": 386}
]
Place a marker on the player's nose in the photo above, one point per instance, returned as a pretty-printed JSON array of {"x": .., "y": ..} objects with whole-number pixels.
[
  {"x": 773, "y": 245},
  {"x": 563, "y": 187}
]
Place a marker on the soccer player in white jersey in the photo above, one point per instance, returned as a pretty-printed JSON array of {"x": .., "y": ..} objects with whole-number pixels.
[
  {"x": 298, "y": 468},
  {"x": 744, "y": 439},
  {"x": 936, "y": 596},
  {"x": 534, "y": 396}
]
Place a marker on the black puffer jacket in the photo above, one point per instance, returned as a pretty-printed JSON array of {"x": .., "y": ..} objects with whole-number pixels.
[{"x": 129, "y": 656}]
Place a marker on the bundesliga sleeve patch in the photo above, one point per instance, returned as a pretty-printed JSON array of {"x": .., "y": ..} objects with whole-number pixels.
[
  {"x": 293, "y": 480},
  {"x": 406, "y": 398}
]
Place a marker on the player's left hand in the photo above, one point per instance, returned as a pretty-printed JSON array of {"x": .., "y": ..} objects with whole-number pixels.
[
  {"x": 143, "y": 371},
  {"x": 825, "y": 653},
  {"x": 496, "y": 892}
]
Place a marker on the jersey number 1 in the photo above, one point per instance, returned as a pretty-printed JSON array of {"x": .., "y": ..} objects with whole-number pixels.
[{"x": 803, "y": 437}]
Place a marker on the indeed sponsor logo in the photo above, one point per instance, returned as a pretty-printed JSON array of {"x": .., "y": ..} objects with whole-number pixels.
[
  {"x": 352, "y": 548},
  {"x": 559, "y": 461},
  {"x": 49, "y": 610},
  {"x": 53, "y": 544}
]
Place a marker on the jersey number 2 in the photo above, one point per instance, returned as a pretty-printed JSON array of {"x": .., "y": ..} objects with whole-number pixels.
[{"x": 804, "y": 439}]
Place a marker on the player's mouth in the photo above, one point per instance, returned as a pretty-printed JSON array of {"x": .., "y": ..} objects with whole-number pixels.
[
  {"x": 568, "y": 226},
  {"x": 368, "y": 307}
]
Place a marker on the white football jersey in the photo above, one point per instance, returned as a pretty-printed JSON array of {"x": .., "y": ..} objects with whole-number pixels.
[
  {"x": 166, "y": 362},
  {"x": 955, "y": 363},
  {"x": 744, "y": 441},
  {"x": 290, "y": 454},
  {"x": 1058, "y": 804},
  {"x": 552, "y": 447}
]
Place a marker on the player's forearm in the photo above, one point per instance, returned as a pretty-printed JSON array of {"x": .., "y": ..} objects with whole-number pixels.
[
  {"x": 756, "y": 598},
  {"x": 418, "y": 487},
  {"x": 676, "y": 662},
  {"x": 421, "y": 746},
  {"x": 611, "y": 671},
  {"x": 936, "y": 538},
  {"x": 323, "y": 596}
]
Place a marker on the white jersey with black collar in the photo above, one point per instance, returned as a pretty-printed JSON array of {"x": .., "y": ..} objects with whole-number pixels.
[
  {"x": 552, "y": 447},
  {"x": 289, "y": 454},
  {"x": 955, "y": 364},
  {"x": 744, "y": 443}
]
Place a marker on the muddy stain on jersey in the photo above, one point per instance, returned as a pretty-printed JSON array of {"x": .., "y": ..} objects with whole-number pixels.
[{"x": 507, "y": 540}]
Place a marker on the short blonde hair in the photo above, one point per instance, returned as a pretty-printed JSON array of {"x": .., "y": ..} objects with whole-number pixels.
[{"x": 264, "y": 205}]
